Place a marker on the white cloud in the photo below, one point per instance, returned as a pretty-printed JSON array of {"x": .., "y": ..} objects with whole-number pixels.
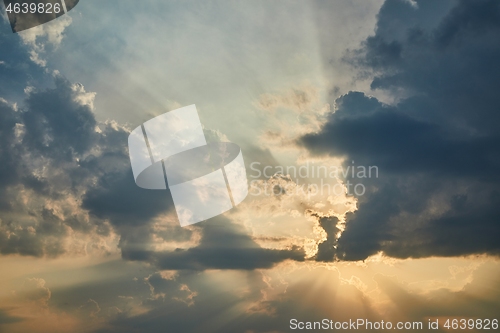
[{"x": 48, "y": 34}]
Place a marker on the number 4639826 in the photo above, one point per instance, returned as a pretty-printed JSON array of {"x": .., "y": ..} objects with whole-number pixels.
[
  {"x": 33, "y": 8},
  {"x": 478, "y": 324}
]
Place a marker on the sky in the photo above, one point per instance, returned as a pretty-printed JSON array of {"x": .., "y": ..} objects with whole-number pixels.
[{"x": 393, "y": 102}]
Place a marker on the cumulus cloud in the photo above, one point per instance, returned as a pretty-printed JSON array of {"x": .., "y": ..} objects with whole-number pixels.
[
  {"x": 67, "y": 187},
  {"x": 35, "y": 291},
  {"x": 437, "y": 148},
  {"x": 41, "y": 178},
  {"x": 41, "y": 37}
]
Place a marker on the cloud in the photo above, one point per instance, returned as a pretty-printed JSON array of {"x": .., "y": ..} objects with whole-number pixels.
[
  {"x": 297, "y": 99},
  {"x": 163, "y": 286},
  {"x": 266, "y": 300},
  {"x": 46, "y": 138},
  {"x": 223, "y": 246},
  {"x": 16, "y": 66},
  {"x": 437, "y": 148},
  {"x": 8, "y": 121},
  {"x": 326, "y": 249},
  {"x": 68, "y": 188},
  {"x": 5, "y": 318},
  {"x": 478, "y": 298},
  {"x": 49, "y": 34},
  {"x": 289, "y": 114},
  {"x": 59, "y": 122},
  {"x": 35, "y": 291}
]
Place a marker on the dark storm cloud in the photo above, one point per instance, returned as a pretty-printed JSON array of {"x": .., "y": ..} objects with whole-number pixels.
[
  {"x": 437, "y": 150},
  {"x": 53, "y": 115},
  {"x": 223, "y": 246},
  {"x": 42, "y": 141},
  {"x": 452, "y": 70},
  {"x": 118, "y": 198},
  {"x": 53, "y": 146},
  {"x": 370, "y": 132},
  {"x": 326, "y": 249},
  {"x": 47, "y": 238}
]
